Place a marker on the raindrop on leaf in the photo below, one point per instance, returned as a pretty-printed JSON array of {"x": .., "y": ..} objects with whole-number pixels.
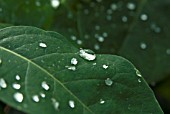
[
  {"x": 87, "y": 54},
  {"x": 71, "y": 103},
  {"x": 108, "y": 82},
  {"x": 3, "y": 83},
  {"x": 18, "y": 97}
]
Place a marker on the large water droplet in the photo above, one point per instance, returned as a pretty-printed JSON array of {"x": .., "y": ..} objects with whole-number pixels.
[
  {"x": 55, "y": 103},
  {"x": 108, "y": 82},
  {"x": 3, "y": 83},
  {"x": 55, "y": 3},
  {"x": 16, "y": 86},
  {"x": 18, "y": 97},
  {"x": 87, "y": 54},
  {"x": 45, "y": 86},
  {"x": 105, "y": 66},
  {"x": 35, "y": 98},
  {"x": 74, "y": 61},
  {"x": 43, "y": 45},
  {"x": 17, "y": 77},
  {"x": 71, "y": 103}
]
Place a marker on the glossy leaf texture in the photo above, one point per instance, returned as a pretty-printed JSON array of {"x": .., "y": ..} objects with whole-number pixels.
[
  {"x": 131, "y": 28},
  {"x": 36, "y": 76}
]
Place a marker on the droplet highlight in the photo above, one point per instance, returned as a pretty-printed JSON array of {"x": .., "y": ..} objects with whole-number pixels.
[
  {"x": 87, "y": 54},
  {"x": 43, "y": 45}
]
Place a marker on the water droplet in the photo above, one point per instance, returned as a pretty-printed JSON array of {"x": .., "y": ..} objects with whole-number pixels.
[
  {"x": 105, "y": 66},
  {"x": 17, "y": 77},
  {"x": 0, "y": 61},
  {"x": 143, "y": 45},
  {"x": 131, "y": 6},
  {"x": 79, "y": 42},
  {"x": 3, "y": 83},
  {"x": 124, "y": 19},
  {"x": 139, "y": 80},
  {"x": 97, "y": 27},
  {"x": 100, "y": 39},
  {"x": 94, "y": 63},
  {"x": 73, "y": 37},
  {"x": 55, "y": 103},
  {"x": 87, "y": 54},
  {"x": 138, "y": 73},
  {"x": 18, "y": 97},
  {"x": 102, "y": 101},
  {"x": 16, "y": 86},
  {"x": 43, "y": 45},
  {"x": 113, "y": 6},
  {"x": 105, "y": 34},
  {"x": 74, "y": 61},
  {"x": 108, "y": 82},
  {"x": 168, "y": 51},
  {"x": 45, "y": 86},
  {"x": 55, "y": 3},
  {"x": 35, "y": 98},
  {"x": 96, "y": 47},
  {"x": 73, "y": 68},
  {"x": 155, "y": 28},
  {"x": 42, "y": 95},
  {"x": 71, "y": 103},
  {"x": 143, "y": 17}
]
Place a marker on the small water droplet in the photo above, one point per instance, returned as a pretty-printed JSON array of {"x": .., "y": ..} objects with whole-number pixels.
[
  {"x": 139, "y": 80},
  {"x": 71, "y": 103},
  {"x": 94, "y": 63},
  {"x": 43, "y": 45},
  {"x": 131, "y": 6},
  {"x": 144, "y": 17},
  {"x": 97, "y": 27},
  {"x": 168, "y": 51},
  {"x": 79, "y": 42},
  {"x": 42, "y": 95},
  {"x": 3, "y": 83},
  {"x": 96, "y": 47},
  {"x": 16, "y": 86},
  {"x": 73, "y": 68},
  {"x": 0, "y": 61},
  {"x": 138, "y": 73},
  {"x": 45, "y": 86},
  {"x": 87, "y": 54},
  {"x": 55, "y": 103},
  {"x": 105, "y": 34},
  {"x": 35, "y": 98},
  {"x": 17, "y": 77},
  {"x": 105, "y": 66},
  {"x": 102, "y": 101},
  {"x": 143, "y": 45},
  {"x": 113, "y": 6},
  {"x": 100, "y": 39},
  {"x": 74, "y": 61},
  {"x": 55, "y": 3},
  {"x": 108, "y": 82},
  {"x": 18, "y": 97},
  {"x": 73, "y": 37},
  {"x": 124, "y": 19}
]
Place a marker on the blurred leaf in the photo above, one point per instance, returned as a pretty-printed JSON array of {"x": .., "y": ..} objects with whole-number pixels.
[{"x": 35, "y": 77}]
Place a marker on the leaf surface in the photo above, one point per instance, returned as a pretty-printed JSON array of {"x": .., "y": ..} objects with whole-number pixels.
[{"x": 39, "y": 62}]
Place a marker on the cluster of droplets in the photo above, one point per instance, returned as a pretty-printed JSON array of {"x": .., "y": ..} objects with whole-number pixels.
[{"x": 138, "y": 74}]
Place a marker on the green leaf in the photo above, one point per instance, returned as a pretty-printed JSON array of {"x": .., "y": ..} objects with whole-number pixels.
[{"x": 35, "y": 77}]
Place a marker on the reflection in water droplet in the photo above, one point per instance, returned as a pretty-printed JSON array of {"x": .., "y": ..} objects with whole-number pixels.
[
  {"x": 73, "y": 68},
  {"x": 35, "y": 98},
  {"x": 3, "y": 83},
  {"x": 18, "y": 97},
  {"x": 108, "y": 82},
  {"x": 16, "y": 86},
  {"x": 87, "y": 54},
  {"x": 55, "y": 103},
  {"x": 102, "y": 101},
  {"x": 55, "y": 3},
  {"x": 17, "y": 77},
  {"x": 71, "y": 103},
  {"x": 143, "y": 17},
  {"x": 45, "y": 86},
  {"x": 43, "y": 45},
  {"x": 74, "y": 61},
  {"x": 105, "y": 66},
  {"x": 143, "y": 45}
]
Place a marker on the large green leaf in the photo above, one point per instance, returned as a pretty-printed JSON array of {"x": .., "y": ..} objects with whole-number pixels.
[{"x": 35, "y": 77}]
